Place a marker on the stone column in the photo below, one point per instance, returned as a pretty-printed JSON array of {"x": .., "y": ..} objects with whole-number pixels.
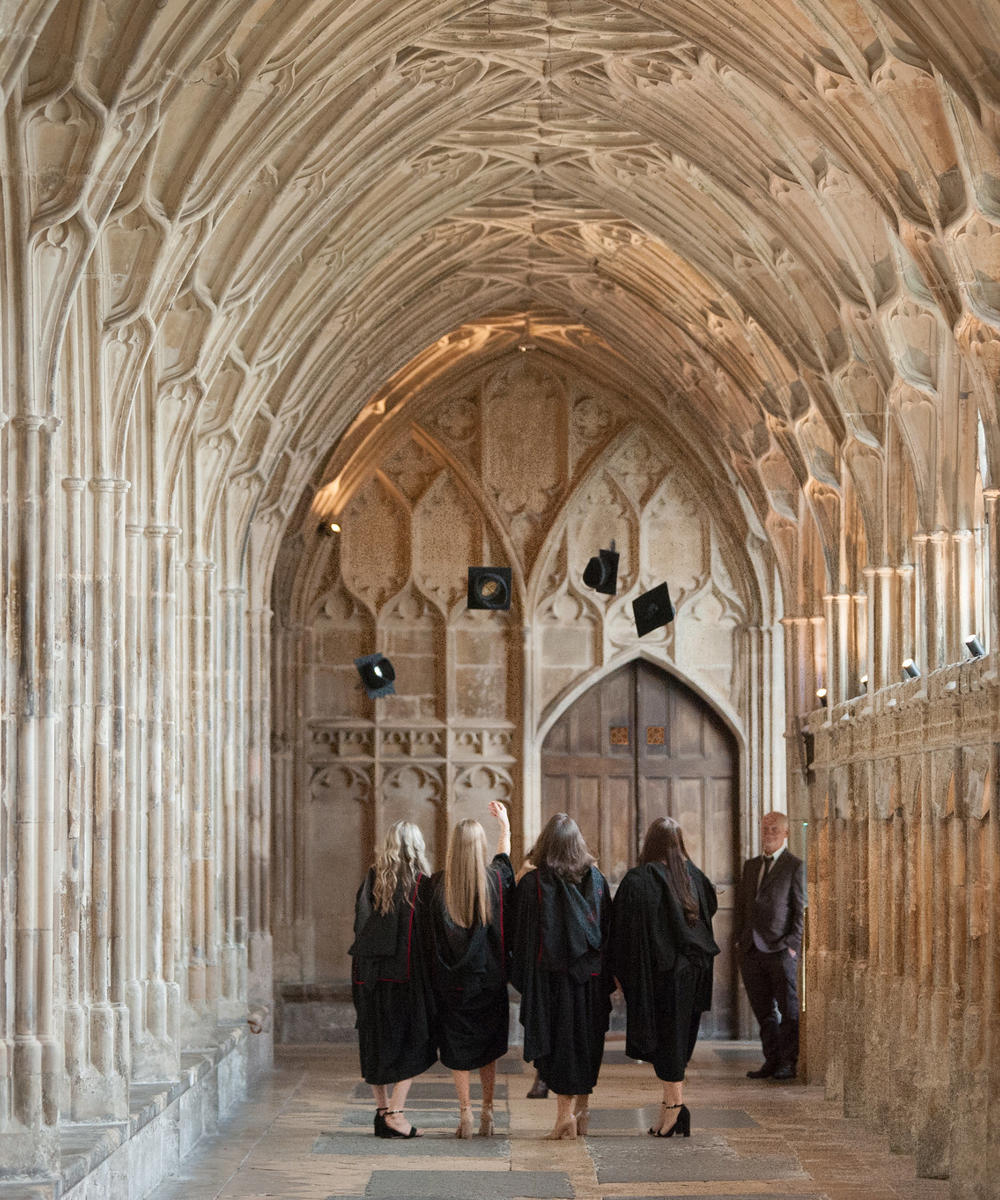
[
  {"x": 77, "y": 793},
  {"x": 167, "y": 667},
  {"x": 800, "y": 663},
  {"x": 109, "y": 1023},
  {"x": 882, "y": 668},
  {"x": 29, "y": 1143},
  {"x": 258, "y": 779},
  {"x": 233, "y": 831},
  {"x": 838, "y": 609},
  {"x": 991, "y": 501},
  {"x": 202, "y": 967},
  {"x": 160, "y": 1053},
  {"x": 134, "y": 683},
  {"x": 766, "y": 781}
]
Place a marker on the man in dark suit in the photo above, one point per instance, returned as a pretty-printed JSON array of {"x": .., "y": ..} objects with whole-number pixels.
[{"x": 770, "y": 910}]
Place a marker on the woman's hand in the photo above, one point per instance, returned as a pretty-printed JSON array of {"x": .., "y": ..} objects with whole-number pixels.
[{"x": 499, "y": 811}]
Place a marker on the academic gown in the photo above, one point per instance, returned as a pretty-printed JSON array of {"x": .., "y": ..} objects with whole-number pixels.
[
  {"x": 391, "y": 987},
  {"x": 469, "y": 974},
  {"x": 559, "y": 968},
  {"x": 663, "y": 964}
]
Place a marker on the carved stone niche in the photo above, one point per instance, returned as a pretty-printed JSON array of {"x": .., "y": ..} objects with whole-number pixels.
[
  {"x": 886, "y": 784},
  {"x": 474, "y": 788},
  {"x": 339, "y": 814},
  {"x": 976, "y": 781}
]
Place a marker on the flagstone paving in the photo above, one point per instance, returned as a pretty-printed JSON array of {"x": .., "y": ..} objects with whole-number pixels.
[{"x": 307, "y": 1135}]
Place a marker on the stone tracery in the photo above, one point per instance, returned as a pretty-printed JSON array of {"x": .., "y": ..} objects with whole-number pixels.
[{"x": 234, "y": 233}]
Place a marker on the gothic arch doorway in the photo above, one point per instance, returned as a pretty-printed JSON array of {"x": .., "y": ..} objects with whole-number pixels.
[{"x": 637, "y": 745}]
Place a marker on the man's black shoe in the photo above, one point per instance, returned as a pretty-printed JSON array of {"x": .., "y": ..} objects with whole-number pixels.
[
  {"x": 784, "y": 1072},
  {"x": 764, "y": 1072}
]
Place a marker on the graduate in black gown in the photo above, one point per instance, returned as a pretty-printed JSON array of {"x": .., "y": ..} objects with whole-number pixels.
[
  {"x": 562, "y": 915},
  {"x": 663, "y": 950},
  {"x": 390, "y": 980},
  {"x": 470, "y": 901}
]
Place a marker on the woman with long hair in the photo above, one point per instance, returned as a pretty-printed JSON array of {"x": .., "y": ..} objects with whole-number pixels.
[
  {"x": 390, "y": 985},
  {"x": 562, "y": 914},
  {"x": 469, "y": 902},
  {"x": 662, "y": 950}
]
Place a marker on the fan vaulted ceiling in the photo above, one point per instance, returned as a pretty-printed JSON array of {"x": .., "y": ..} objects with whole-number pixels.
[{"x": 773, "y": 219}]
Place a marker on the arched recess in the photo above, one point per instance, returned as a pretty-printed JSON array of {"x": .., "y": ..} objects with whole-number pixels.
[{"x": 637, "y": 745}]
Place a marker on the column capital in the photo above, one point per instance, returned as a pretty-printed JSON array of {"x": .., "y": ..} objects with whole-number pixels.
[{"x": 109, "y": 484}]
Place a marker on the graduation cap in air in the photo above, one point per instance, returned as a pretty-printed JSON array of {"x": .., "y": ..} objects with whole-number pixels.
[
  {"x": 601, "y": 573},
  {"x": 489, "y": 587},
  {"x": 377, "y": 675},
  {"x": 652, "y": 609}
]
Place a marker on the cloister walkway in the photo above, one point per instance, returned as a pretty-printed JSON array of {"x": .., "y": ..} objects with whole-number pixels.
[{"x": 307, "y": 1135}]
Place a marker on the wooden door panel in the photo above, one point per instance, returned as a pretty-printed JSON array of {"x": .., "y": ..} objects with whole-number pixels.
[
  {"x": 636, "y": 746},
  {"x": 586, "y": 808},
  {"x": 618, "y": 844}
]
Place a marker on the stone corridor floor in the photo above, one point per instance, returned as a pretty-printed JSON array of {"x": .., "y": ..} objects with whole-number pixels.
[{"x": 307, "y": 1135}]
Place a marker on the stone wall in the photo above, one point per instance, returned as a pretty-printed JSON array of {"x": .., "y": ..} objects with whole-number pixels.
[
  {"x": 523, "y": 463},
  {"x": 904, "y": 919}
]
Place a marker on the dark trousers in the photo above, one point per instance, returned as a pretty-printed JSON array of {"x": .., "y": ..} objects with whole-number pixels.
[{"x": 772, "y": 985}]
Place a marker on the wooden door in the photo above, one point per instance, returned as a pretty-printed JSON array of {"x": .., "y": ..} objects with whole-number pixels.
[{"x": 636, "y": 746}]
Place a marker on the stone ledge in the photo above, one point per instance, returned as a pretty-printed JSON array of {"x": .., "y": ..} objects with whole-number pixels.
[{"x": 127, "y": 1159}]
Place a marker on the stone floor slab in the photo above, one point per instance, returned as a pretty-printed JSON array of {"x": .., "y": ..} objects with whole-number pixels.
[
  {"x": 443, "y": 1116},
  {"x": 750, "y": 1141},
  {"x": 434, "y": 1090},
  {"x": 632, "y": 1120},
  {"x": 738, "y": 1054},
  {"x": 709, "y": 1159},
  {"x": 434, "y": 1144},
  {"x": 463, "y": 1185}
]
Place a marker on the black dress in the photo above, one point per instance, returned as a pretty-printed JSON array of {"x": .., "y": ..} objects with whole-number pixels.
[
  {"x": 664, "y": 965},
  {"x": 390, "y": 985},
  {"x": 560, "y": 970},
  {"x": 469, "y": 973}
]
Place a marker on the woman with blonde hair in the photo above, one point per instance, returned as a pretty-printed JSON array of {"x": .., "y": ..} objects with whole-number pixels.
[
  {"x": 562, "y": 917},
  {"x": 390, "y": 984},
  {"x": 469, "y": 902},
  {"x": 662, "y": 950}
]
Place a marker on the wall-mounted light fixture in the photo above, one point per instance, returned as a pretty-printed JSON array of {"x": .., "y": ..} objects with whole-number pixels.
[
  {"x": 821, "y": 697},
  {"x": 910, "y": 670},
  {"x": 329, "y": 528},
  {"x": 864, "y": 683},
  {"x": 974, "y": 646}
]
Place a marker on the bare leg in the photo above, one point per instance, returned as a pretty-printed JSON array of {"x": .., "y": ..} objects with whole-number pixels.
[
  {"x": 461, "y": 1080},
  {"x": 394, "y": 1118},
  {"x": 581, "y": 1110},
  {"x": 487, "y": 1078},
  {"x": 673, "y": 1098},
  {"x": 565, "y": 1126}
]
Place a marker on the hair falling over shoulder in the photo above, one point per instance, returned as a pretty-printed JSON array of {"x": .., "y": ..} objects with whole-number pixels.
[
  {"x": 401, "y": 860},
  {"x": 664, "y": 843},
  {"x": 466, "y": 887},
  {"x": 561, "y": 848}
]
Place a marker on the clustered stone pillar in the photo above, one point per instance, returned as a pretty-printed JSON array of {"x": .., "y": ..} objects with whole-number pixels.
[
  {"x": 35, "y": 1059},
  {"x": 116, "y": 939},
  {"x": 904, "y": 918}
]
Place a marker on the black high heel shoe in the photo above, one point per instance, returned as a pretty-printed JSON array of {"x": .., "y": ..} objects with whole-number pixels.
[
  {"x": 681, "y": 1126},
  {"x": 395, "y": 1133},
  {"x": 380, "y": 1122}
]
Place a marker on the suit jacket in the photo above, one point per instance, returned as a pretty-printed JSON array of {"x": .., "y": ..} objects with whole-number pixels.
[{"x": 772, "y": 919}]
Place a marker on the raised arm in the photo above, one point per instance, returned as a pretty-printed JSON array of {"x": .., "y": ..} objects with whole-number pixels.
[{"x": 499, "y": 811}]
